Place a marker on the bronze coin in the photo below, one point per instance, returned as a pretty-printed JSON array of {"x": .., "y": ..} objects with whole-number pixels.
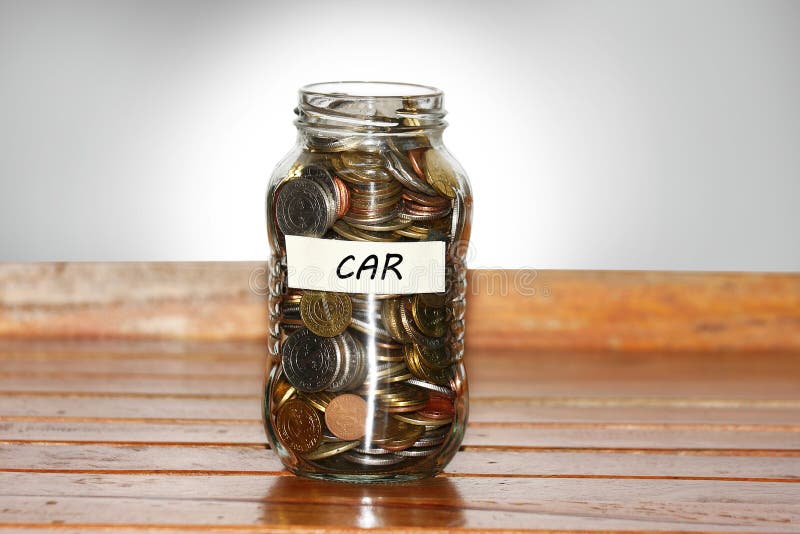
[
  {"x": 298, "y": 426},
  {"x": 346, "y": 417}
]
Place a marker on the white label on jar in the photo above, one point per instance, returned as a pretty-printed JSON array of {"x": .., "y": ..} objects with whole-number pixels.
[{"x": 365, "y": 267}]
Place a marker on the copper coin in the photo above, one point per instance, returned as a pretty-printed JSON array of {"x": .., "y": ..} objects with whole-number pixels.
[
  {"x": 416, "y": 156},
  {"x": 298, "y": 426},
  {"x": 438, "y": 407},
  {"x": 343, "y": 195},
  {"x": 346, "y": 417}
]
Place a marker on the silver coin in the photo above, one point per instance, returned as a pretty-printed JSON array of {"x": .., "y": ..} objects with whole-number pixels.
[
  {"x": 433, "y": 437},
  {"x": 310, "y": 362},
  {"x": 370, "y": 328},
  {"x": 352, "y": 355},
  {"x": 377, "y": 451},
  {"x": 430, "y": 387},
  {"x": 332, "y": 144},
  {"x": 362, "y": 176},
  {"x": 416, "y": 453},
  {"x": 372, "y": 459},
  {"x": 328, "y": 437},
  {"x": 401, "y": 169},
  {"x": 323, "y": 177},
  {"x": 455, "y": 221},
  {"x": 304, "y": 208}
]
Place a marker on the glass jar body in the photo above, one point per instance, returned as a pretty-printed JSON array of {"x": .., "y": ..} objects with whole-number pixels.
[{"x": 366, "y": 385}]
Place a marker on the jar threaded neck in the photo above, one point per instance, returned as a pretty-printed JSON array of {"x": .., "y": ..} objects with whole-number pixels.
[{"x": 370, "y": 107}]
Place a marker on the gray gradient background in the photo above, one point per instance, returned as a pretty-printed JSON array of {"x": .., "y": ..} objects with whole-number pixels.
[{"x": 621, "y": 135}]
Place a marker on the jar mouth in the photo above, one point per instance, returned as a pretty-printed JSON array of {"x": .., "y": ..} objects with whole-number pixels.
[
  {"x": 371, "y": 107},
  {"x": 370, "y": 90}
]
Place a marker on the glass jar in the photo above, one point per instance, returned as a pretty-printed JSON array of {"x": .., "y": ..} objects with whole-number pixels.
[{"x": 368, "y": 218}]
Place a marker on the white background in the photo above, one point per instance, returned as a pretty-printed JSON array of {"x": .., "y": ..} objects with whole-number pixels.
[{"x": 621, "y": 135}]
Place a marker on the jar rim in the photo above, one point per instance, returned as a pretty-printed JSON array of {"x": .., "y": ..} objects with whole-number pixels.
[{"x": 371, "y": 90}]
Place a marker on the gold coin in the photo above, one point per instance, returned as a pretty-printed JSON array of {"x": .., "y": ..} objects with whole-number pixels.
[
  {"x": 385, "y": 429},
  {"x": 418, "y": 368},
  {"x": 440, "y": 174},
  {"x": 281, "y": 392},
  {"x": 332, "y": 448},
  {"x": 436, "y": 300},
  {"x": 318, "y": 400},
  {"x": 433, "y": 358},
  {"x": 416, "y": 419},
  {"x": 325, "y": 313},
  {"x": 390, "y": 313},
  {"x": 432, "y": 320},
  {"x": 298, "y": 426},
  {"x": 346, "y": 416}
]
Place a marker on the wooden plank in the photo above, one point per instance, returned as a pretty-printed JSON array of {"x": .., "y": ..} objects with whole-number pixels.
[
  {"x": 736, "y": 375},
  {"x": 463, "y": 502},
  {"x": 522, "y": 309},
  {"x": 532, "y": 410},
  {"x": 532, "y": 435},
  {"x": 257, "y": 460}
]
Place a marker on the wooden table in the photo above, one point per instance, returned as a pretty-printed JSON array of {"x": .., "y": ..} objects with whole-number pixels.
[{"x": 155, "y": 422}]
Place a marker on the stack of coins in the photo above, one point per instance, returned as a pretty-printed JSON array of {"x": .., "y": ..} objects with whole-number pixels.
[{"x": 366, "y": 383}]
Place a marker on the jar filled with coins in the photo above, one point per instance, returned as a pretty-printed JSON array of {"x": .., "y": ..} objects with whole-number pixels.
[{"x": 368, "y": 218}]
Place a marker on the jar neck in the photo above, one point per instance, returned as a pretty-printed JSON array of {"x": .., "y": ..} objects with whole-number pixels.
[{"x": 370, "y": 109}]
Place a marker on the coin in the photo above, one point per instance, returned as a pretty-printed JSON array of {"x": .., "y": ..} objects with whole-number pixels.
[
  {"x": 414, "y": 333},
  {"x": 416, "y": 157},
  {"x": 346, "y": 416},
  {"x": 440, "y": 376},
  {"x": 320, "y": 175},
  {"x": 402, "y": 171},
  {"x": 343, "y": 194},
  {"x": 433, "y": 299},
  {"x": 331, "y": 448},
  {"x": 304, "y": 207},
  {"x": 416, "y": 419},
  {"x": 439, "y": 173},
  {"x": 416, "y": 452},
  {"x": 372, "y": 460},
  {"x": 318, "y": 400},
  {"x": 436, "y": 436},
  {"x": 310, "y": 362},
  {"x": 282, "y": 391},
  {"x": 431, "y": 320},
  {"x": 298, "y": 426},
  {"x": 390, "y": 314},
  {"x": 442, "y": 390},
  {"x": 353, "y": 366},
  {"x": 325, "y": 313},
  {"x": 433, "y": 358},
  {"x": 371, "y": 450},
  {"x": 438, "y": 407}
]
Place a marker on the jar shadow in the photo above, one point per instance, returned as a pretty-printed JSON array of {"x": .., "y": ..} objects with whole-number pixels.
[{"x": 292, "y": 501}]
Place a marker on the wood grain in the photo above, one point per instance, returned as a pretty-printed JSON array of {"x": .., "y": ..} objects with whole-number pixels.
[
  {"x": 129, "y": 436},
  {"x": 506, "y": 309},
  {"x": 475, "y": 502},
  {"x": 258, "y": 460}
]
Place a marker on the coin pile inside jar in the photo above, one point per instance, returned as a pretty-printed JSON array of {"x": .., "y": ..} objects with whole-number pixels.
[{"x": 365, "y": 381}]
